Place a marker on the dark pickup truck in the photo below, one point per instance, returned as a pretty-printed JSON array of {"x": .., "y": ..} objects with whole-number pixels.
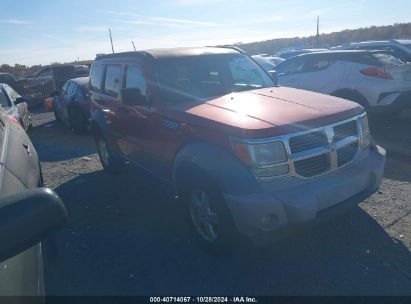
[
  {"x": 34, "y": 89},
  {"x": 40, "y": 86}
]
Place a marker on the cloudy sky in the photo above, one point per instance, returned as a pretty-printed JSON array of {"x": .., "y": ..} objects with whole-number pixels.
[{"x": 46, "y": 31}]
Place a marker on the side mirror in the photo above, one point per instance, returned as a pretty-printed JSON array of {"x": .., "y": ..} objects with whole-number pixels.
[
  {"x": 133, "y": 97},
  {"x": 55, "y": 93},
  {"x": 274, "y": 75},
  {"x": 20, "y": 100},
  {"x": 27, "y": 218}
]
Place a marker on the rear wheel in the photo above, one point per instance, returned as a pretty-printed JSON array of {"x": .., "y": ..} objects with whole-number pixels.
[
  {"x": 109, "y": 162},
  {"x": 77, "y": 120},
  {"x": 56, "y": 115}
]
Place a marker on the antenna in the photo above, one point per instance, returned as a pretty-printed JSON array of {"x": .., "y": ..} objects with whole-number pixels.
[
  {"x": 111, "y": 40},
  {"x": 134, "y": 47},
  {"x": 318, "y": 32}
]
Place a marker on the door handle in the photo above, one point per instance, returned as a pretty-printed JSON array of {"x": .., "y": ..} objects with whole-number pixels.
[{"x": 27, "y": 148}]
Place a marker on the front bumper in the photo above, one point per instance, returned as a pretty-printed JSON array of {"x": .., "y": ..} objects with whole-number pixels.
[{"x": 287, "y": 205}]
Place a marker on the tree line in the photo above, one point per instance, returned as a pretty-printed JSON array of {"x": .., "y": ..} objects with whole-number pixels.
[
  {"x": 396, "y": 31},
  {"x": 21, "y": 70}
]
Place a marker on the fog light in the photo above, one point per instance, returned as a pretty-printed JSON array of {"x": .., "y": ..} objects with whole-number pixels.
[{"x": 269, "y": 222}]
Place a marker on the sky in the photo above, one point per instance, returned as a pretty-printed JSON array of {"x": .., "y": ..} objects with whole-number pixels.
[{"x": 46, "y": 31}]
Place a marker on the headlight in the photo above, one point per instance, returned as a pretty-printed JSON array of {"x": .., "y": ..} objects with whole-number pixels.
[
  {"x": 365, "y": 132},
  {"x": 266, "y": 160}
]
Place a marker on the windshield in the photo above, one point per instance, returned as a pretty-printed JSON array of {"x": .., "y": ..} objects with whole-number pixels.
[
  {"x": 206, "y": 76},
  {"x": 408, "y": 46}
]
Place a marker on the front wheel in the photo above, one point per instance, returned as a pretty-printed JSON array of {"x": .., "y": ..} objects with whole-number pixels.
[{"x": 208, "y": 215}]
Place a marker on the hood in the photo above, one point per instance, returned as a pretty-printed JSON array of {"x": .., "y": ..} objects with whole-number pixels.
[{"x": 275, "y": 111}]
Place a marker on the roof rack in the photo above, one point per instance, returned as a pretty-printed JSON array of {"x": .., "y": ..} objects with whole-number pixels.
[
  {"x": 124, "y": 54},
  {"x": 230, "y": 47}
]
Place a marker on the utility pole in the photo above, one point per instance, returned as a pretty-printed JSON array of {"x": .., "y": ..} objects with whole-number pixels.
[
  {"x": 317, "y": 38},
  {"x": 111, "y": 40},
  {"x": 134, "y": 47}
]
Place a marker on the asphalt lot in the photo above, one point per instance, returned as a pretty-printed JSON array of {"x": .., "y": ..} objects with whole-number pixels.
[{"x": 125, "y": 235}]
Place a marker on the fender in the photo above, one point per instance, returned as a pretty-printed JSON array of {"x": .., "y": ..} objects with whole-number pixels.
[
  {"x": 98, "y": 125},
  {"x": 351, "y": 94},
  {"x": 230, "y": 174}
]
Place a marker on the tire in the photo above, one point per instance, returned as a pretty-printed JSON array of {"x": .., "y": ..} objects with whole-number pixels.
[
  {"x": 77, "y": 120},
  {"x": 56, "y": 115},
  {"x": 108, "y": 160},
  {"x": 208, "y": 215}
]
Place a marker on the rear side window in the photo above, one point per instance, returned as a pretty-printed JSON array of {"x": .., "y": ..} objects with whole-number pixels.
[
  {"x": 135, "y": 79},
  {"x": 96, "y": 77},
  {"x": 72, "y": 89},
  {"x": 112, "y": 80},
  {"x": 69, "y": 88},
  {"x": 316, "y": 63},
  {"x": 387, "y": 59},
  {"x": 291, "y": 66},
  {"x": 363, "y": 58}
]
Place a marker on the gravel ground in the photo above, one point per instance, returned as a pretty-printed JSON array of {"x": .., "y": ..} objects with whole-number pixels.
[{"x": 125, "y": 235}]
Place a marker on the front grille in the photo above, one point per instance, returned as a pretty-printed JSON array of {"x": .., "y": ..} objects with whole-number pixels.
[
  {"x": 345, "y": 130},
  {"x": 307, "y": 141},
  {"x": 312, "y": 166},
  {"x": 325, "y": 149},
  {"x": 346, "y": 154}
]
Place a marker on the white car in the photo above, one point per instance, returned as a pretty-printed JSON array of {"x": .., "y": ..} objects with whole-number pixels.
[
  {"x": 265, "y": 63},
  {"x": 399, "y": 48},
  {"x": 374, "y": 79}
]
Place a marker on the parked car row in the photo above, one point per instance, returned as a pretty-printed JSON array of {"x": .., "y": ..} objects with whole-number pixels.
[
  {"x": 28, "y": 212},
  {"x": 247, "y": 158},
  {"x": 376, "y": 80},
  {"x": 39, "y": 86}
]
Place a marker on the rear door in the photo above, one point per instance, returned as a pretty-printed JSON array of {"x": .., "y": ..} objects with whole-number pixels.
[
  {"x": 105, "y": 84},
  {"x": 67, "y": 98},
  {"x": 133, "y": 122},
  {"x": 321, "y": 73}
]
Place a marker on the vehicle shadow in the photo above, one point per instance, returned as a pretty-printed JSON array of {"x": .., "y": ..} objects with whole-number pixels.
[
  {"x": 56, "y": 142},
  {"x": 127, "y": 236}
]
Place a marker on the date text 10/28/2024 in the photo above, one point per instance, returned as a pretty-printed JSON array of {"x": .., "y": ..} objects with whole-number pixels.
[{"x": 203, "y": 300}]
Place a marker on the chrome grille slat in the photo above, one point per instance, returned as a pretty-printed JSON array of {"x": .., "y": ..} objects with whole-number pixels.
[
  {"x": 324, "y": 149},
  {"x": 312, "y": 166},
  {"x": 345, "y": 130},
  {"x": 346, "y": 154},
  {"x": 307, "y": 141}
]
